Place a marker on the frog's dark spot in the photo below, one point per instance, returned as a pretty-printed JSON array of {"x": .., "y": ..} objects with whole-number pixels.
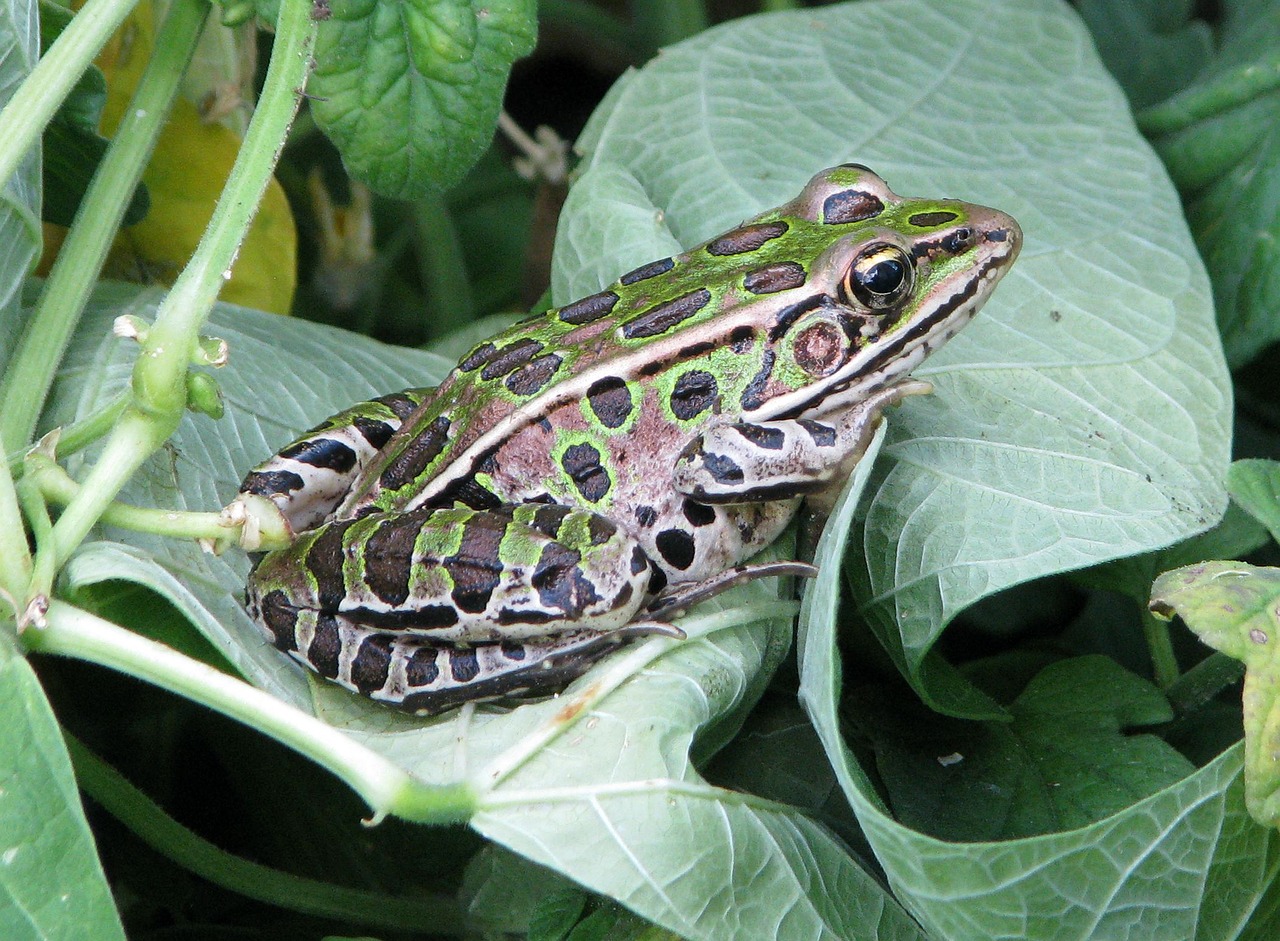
[
  {"x": 510, "y": 357},
  {"x": 548, "y": 519},
  {"x": 639, "y": 561},
  {"x": 610, "y": 399},
  {"x": 762, "y": 436},
  {"x": 753, "y": 394},
  {"x": 477, "y": 357},
  {"x": 658, "y": 320},
  {"x": 370, "y": 664},
  {"x": 623, "y": 596},
  {"x": 266, "y": 483},
  {"x": 421, "y": 669},
  {"x": 676, "y": 547},
  {"x": 475, "y": 568},
  {"x": 417, "y": 455},
  {"x": 773, "y": 278},
  {"x": 463, "y": 665},
  {"x": 377, "y": 433},
  {"x": 328, "y": 453},
  {"x": 742, "y": 339},
  {"x": 589, "y": 309},
  {"x": 695, "y": 392},
  {"x": 582, "y": 463},
  {"x": 657, "y": 581},
  {"x": 512, "y": 651},
  {"x": 280, "y": 618},
  {"x": 388, "y": 558},
  {"x": 748, "y": 238},
  {"x": 723, "y": 469},
  {"x": 325, "y": 647},
  {"x": 600, "y": 530},
  {"x": 694, "y": 350},
  {"x": 399, "y": 404},
  {"x": 824, "y": 436},
  {"x": 324, "y": 561},
  {"x": 559, "y": 581},
  {"x": 645, "y": 272},
  {"x": 646, "y": 516},
  {"x": 931, "y": 220},
  {"x": 699, "y": 514},
  {"x": 533, "y": 378},
  {"x": 471, "y": 493},
  {"x": 850, "y": 206}
]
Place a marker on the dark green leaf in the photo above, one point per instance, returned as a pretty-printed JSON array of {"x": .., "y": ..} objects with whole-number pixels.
[
  {"x": 1069, "y": 757},
  {"x": 556, "y": 915},
  {"x": 1152, "y": 47},
  {"x": 409, "y": 90}
]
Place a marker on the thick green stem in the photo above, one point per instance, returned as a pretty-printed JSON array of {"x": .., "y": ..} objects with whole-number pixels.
[
  {"x": 159, "y": 376},
  {"x": 30, "y": 372},
  {"x": 423, "y": 913},
  {"x": 386, "y": 788},
  {"x": 1164, "y": 664},
  {"x": 42, "y": 92}
]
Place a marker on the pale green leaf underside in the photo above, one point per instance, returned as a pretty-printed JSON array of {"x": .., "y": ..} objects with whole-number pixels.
[
  {"x": 51, "y": 885},
  {"x": 1085, "y": 415}
]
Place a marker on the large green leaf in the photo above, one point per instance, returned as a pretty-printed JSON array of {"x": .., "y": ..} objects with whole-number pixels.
[
  {"x": 1185, "y": 862},
  {"x": 51, "y": 884},
  {"x": 409, "y": 90},
  {"x": 1085, "y": 415}
]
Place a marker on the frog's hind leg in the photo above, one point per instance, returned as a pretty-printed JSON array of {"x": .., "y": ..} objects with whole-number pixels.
[
  {"x": 309, "y": 477},
  {"x": 521, "y": 596},
  {"x": 422, "y": 676}
]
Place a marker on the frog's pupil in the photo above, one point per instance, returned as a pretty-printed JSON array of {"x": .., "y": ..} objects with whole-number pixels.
[{"x": 884, "y": 277}]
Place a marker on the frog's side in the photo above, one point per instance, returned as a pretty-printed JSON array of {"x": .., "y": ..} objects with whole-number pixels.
[{"x": 503, "y": 531}]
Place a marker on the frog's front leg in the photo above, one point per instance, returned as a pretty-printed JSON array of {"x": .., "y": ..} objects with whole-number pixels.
[
  {"x": 433, "y": 607},
  {"x": 311, "y": 475},
  {"x": 784, "y": 458}
]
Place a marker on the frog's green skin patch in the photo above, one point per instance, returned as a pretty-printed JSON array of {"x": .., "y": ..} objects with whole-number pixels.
[{"x": 681, "y": 413}]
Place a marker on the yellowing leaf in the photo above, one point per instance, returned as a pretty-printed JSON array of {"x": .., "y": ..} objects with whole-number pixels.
[{"x": 186, "y": 174}]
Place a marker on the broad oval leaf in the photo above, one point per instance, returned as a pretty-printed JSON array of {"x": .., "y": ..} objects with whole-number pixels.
[{"x": 1085, "y": 414}]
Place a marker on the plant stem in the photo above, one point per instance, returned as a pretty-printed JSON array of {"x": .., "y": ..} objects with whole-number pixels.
[
  {"x": 24, "y": 118},
  {"x": 436, "y": 914},
  {"x": 15, "y": 558},
  {"x": 159, "y": 376},
  {"x": 385, "y": 787},
  {"x": 58, "y": 487},
  {"x": 30, "y": 374},
  {"x": 1164, "y": 665}
]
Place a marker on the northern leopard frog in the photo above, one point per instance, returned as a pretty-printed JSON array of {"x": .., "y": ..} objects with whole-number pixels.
[{"x": 588, "y": 473}]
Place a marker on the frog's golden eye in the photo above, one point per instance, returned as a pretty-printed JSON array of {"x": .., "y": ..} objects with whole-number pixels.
[{"x": 879, "y": 278}]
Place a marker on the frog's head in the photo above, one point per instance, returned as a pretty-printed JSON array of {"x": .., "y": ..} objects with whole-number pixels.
[{"x": 892, "y": 279}]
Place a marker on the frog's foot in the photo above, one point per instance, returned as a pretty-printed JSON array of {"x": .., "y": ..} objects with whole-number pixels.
[{"x": 676, "y": 601}]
